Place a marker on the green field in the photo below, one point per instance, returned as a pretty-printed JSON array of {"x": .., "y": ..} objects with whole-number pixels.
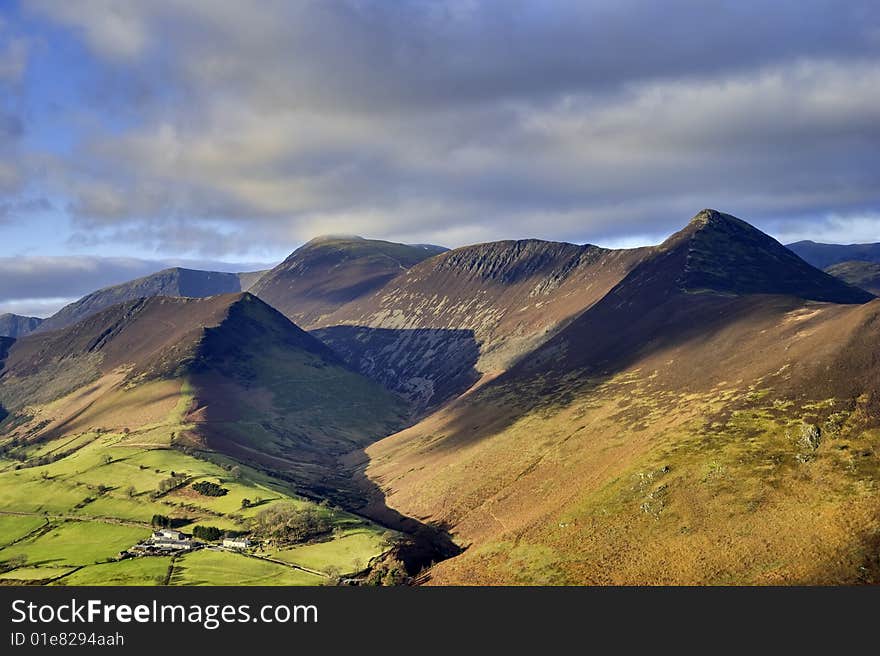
[
  {"x": 76, "y": 543},
  {"x": 348, "y": 553},
  {"x": 98, "y": 508},
  {"x": 133, "y": 571},
  {"x": 222, "y": 568},
  {"x": 100, "y": 497},
  {"x": 31, "y": 574},
  {"x": 13, "y": 527}
]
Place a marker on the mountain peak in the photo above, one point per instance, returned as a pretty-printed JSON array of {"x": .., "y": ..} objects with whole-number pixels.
[
  {"x": 722, "y": 253},
  {"x": 323, "y": 239}
]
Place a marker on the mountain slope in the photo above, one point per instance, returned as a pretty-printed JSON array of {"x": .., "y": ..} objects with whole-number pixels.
[
  {"x": 216, "y": 413},
  {"x": 823, "y": 256},
  {"x": 699, "y": 424},
  {"x": 435, "y": 329},
  {"x": 260, "y": 388},
  {"x": 169, "y": 282},
  {"x": 329, "y": 271},
  {"x": 14, "y": 325},
  {"x": 865, "y": 275}
]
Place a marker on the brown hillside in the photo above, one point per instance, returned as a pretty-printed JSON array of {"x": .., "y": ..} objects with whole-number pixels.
[
  {"x": 435, "y": 329},
  {"x": 865, "y": 275},
  {"x": 670, "y": 434}
]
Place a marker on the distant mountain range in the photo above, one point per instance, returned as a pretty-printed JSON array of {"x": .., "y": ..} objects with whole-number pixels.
[
  {"x": 14, "y": 325},
  {"x": 823, "y": 256},
  {"x": 702, "y": 411},
  {"x": 169, "y": 282}
]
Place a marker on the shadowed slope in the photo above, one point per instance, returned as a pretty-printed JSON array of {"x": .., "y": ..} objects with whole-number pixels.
[
  {"x": 510, "y": 296},
  {"x": 261, "y": 388}
]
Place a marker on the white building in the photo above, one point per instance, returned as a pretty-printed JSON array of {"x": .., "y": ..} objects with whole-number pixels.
[{"x": 236, "y": 543}]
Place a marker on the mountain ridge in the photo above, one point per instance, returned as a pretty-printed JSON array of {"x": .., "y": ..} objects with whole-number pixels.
[
  {"x": 172, "y": 282},
  {"x": 329, "y": 271},
  {"x": 16, "y": 325}
]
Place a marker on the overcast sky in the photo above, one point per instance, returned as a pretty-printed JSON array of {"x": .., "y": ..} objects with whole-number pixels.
[{"x": 234, "y": 131}]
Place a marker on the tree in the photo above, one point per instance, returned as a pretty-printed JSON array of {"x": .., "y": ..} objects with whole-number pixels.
[
  {"x": 286, "y": 524},
  {"x": 131, "y": 491},
  {"x": 209, "y": 533},
  {"x": 209, "y": 489},
  {"x": 106, "y": 458},
  {"x": 235, "y": 472},
  {"x": 245, "y": 503},
  {"x": 160, "y": 521}
]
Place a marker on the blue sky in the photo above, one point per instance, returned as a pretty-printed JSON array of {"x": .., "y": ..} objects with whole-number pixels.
[{"x": 228, "y": 133}]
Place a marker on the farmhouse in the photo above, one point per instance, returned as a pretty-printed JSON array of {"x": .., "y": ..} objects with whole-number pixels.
[
  {"x": 163, "y": 541},
  {"x": 237, "y": 543}
]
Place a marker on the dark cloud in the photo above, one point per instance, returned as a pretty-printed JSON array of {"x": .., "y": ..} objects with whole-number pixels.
[{"x": 253, "y": 124}]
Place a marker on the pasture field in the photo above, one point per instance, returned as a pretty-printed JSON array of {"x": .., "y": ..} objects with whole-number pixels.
[
  {"x": 133, "y": 571},
  {"x": 347, "y": 553},
  {"x": 206, "y": 567}
]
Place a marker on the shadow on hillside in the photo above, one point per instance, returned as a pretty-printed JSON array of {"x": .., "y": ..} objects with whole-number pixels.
[
  {"x": 427, "y": 366},
  {"x": 610, "y": 338},
  {"x": 429, "y": 543}
]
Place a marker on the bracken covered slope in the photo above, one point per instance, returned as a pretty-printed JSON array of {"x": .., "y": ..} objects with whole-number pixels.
[{"x": 702, "y": 423}]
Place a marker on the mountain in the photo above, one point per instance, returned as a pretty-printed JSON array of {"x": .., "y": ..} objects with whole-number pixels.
[
  {"x": 437, "y": 328},
  {"x": 330, "y": 271},
  {"x": 713, "y": 418},
  {"x": 168, "y": 282},
  {"x": 823, "y": 256},
  {"x": 212, "y": 415},
  {"x": 724, "y": 254},
  {"x": 14, "y": 325},
  {"x": 234, "y": 352},
  {"x": 865, "y": 275}
]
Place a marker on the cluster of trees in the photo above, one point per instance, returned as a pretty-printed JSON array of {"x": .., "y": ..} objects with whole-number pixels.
[
  {"x": 209, "y": 489},
  {"x": 247, "y": 503},
  {"x": 209, "y": 533},
  {"x": 390, "y": 571},
  {"x": 161, "y": 521},
  {"x": 173, "y": 481},
  {"x": 286, "y": 524}
]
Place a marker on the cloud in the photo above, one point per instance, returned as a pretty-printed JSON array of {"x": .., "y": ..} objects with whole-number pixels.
[{"x": 458, "y": 121}]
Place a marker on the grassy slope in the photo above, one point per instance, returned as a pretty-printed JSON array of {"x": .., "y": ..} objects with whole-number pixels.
[{"x": 88, "y": 524}]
